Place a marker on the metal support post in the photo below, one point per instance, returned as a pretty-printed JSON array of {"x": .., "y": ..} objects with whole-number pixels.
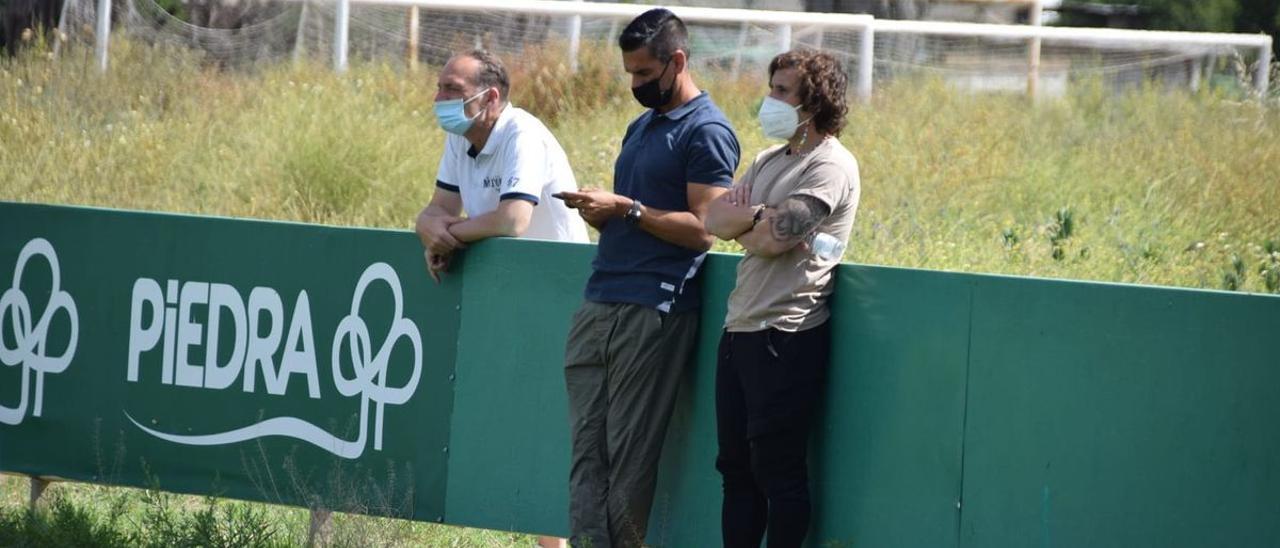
[
  {"x": 103, "y": 33},
  {"x": 414, "y": 17},
  {"x": 1033, "y": 53},
  {"x": 575, "y": 40},
  {"x": 866, "y": 62},
  {"x": 341, "y": 24},
  {"x": 1263, "y": 79},
  {"x": 37, "y": 488}
]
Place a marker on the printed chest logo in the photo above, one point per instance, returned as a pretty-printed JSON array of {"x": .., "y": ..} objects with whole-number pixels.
[
  {"x": 30, "y": 336},
  {"x": 253, "y": 351}
]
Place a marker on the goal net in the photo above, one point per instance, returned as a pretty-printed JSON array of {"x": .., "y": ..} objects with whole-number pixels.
[{"x": 245, "y": 34}]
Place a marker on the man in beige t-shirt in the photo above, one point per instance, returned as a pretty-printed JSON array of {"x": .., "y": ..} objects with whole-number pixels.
[
  {"x": 792, "y": 207},
  {"x": 788, "y": 291}
]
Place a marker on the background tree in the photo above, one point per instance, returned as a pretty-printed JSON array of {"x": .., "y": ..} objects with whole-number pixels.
[{"x": 1208, "y": 15}]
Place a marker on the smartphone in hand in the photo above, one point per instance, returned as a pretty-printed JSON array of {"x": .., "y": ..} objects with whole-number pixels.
[{"x": 561, "y": 196}]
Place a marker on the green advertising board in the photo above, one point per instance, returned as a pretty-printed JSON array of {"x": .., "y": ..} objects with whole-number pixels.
[
  {"x": 280, "y": 362},
  {"x": 320, "y": 366}
]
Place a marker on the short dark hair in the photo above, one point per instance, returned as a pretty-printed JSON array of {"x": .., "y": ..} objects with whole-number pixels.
[
  {"x": 492, "y": 73},
  {"x": 659, "y": 30},
  {"x": 824, "y": 86}
]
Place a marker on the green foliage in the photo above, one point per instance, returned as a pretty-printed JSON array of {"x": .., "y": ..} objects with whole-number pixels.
[
  {"x": 214, "y": 524},
  {"x": 1234, "y": 276},
  {"x": 1059, "y": 230},
  {"x": 1269, "y": 266},
  {"x": 177, "y": 8},
  {"x": 1207, "y": 15},
  {"x": 61, "y": 523},
  {"x": 97, "y": 516},
  {"x": 1189, "y": 15}
]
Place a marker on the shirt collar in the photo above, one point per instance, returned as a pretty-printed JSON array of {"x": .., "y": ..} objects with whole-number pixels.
[
  {"x": 500, "y": 129},
  {"x": 689, "y": 106}
]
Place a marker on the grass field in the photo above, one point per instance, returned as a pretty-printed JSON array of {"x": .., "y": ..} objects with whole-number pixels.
[
  {"x": 85, "y": 515},
  {"x": 1145, "y": 187}
]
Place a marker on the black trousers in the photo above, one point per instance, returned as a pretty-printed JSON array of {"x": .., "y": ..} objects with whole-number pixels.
[{"x": 767, "y": 387}]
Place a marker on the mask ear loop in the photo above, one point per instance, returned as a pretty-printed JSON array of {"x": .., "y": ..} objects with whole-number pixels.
[
  {"x": 675, "y": 77},
  {"x": 664, "y": 73},
  {"x": 473, "y": 98},
  {"x": 658, "y": 80},
  {"x": 476, "y": 96}
]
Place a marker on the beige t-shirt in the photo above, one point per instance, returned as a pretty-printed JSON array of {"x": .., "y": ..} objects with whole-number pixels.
[{"x": 789, "y": 292}]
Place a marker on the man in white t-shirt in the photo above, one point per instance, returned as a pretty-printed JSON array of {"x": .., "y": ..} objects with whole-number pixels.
[{"x": 500, "y": 165}]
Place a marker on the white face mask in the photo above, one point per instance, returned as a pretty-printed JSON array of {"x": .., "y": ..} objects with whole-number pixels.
[{"x": 778, "y": 119}]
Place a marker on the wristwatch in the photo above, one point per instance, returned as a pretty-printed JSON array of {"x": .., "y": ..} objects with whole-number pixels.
[{"x": 633, "y": 214}]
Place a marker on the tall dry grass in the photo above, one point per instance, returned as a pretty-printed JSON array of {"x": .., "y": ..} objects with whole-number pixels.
[{"x": 1160, "y": 187}]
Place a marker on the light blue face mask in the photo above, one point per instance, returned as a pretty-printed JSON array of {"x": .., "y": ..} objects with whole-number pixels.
[{"x": 452, "y": 116}]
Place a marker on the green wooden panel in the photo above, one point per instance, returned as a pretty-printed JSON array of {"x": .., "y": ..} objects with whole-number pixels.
[
  {"x": 1108, "y": 415},
  {"x": 509, "y": 452},
  {"x": 887, "y": 459},
  {"x": 886, "y": 456},
  {"x": 510, "y": 440},
  {"x": 92, "y": 421},
  {"x": 686, "y": 506}
]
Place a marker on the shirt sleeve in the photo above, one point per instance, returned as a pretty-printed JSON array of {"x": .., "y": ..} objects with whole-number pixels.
[
  {"x": 525, "y": 169},
  {"x": 446, "y": 175},
  {"x": 827, "y": 182},
  {"x": 713, "y": 155}
]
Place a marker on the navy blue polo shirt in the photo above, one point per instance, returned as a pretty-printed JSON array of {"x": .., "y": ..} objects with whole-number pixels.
[{"x": 661, "y": 154}]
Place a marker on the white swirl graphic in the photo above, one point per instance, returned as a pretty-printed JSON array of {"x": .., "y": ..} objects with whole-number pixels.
[
  {"x": 369, "y": 380},
  {"x": 30, "y": 338}
]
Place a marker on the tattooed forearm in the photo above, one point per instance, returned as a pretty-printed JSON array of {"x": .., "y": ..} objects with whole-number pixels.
[{"x": 796, "y": 218}]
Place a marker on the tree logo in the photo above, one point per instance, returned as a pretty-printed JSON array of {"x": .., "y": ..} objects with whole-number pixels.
[{"x": 30, "y": 336}]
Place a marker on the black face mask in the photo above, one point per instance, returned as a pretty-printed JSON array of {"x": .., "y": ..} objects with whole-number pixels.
[{"x": 650, "y": 94}]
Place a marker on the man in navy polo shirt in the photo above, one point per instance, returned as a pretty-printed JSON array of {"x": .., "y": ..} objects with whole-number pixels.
[{"x": 637, "y": 329}]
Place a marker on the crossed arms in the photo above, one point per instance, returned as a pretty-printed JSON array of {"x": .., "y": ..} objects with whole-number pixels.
[
  {"x": 761, "y": 229},
  {"x": 442, "y": 229}
]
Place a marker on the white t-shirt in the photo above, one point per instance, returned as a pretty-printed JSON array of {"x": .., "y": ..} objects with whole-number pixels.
[{"x": 521, "y": 160}]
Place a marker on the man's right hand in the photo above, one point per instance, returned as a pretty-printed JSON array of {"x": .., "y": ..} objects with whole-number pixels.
[
  {"x": 433, "y": 230},
  {"x": 436, "y": 264},
  {"x": 596, "y": 206}
]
